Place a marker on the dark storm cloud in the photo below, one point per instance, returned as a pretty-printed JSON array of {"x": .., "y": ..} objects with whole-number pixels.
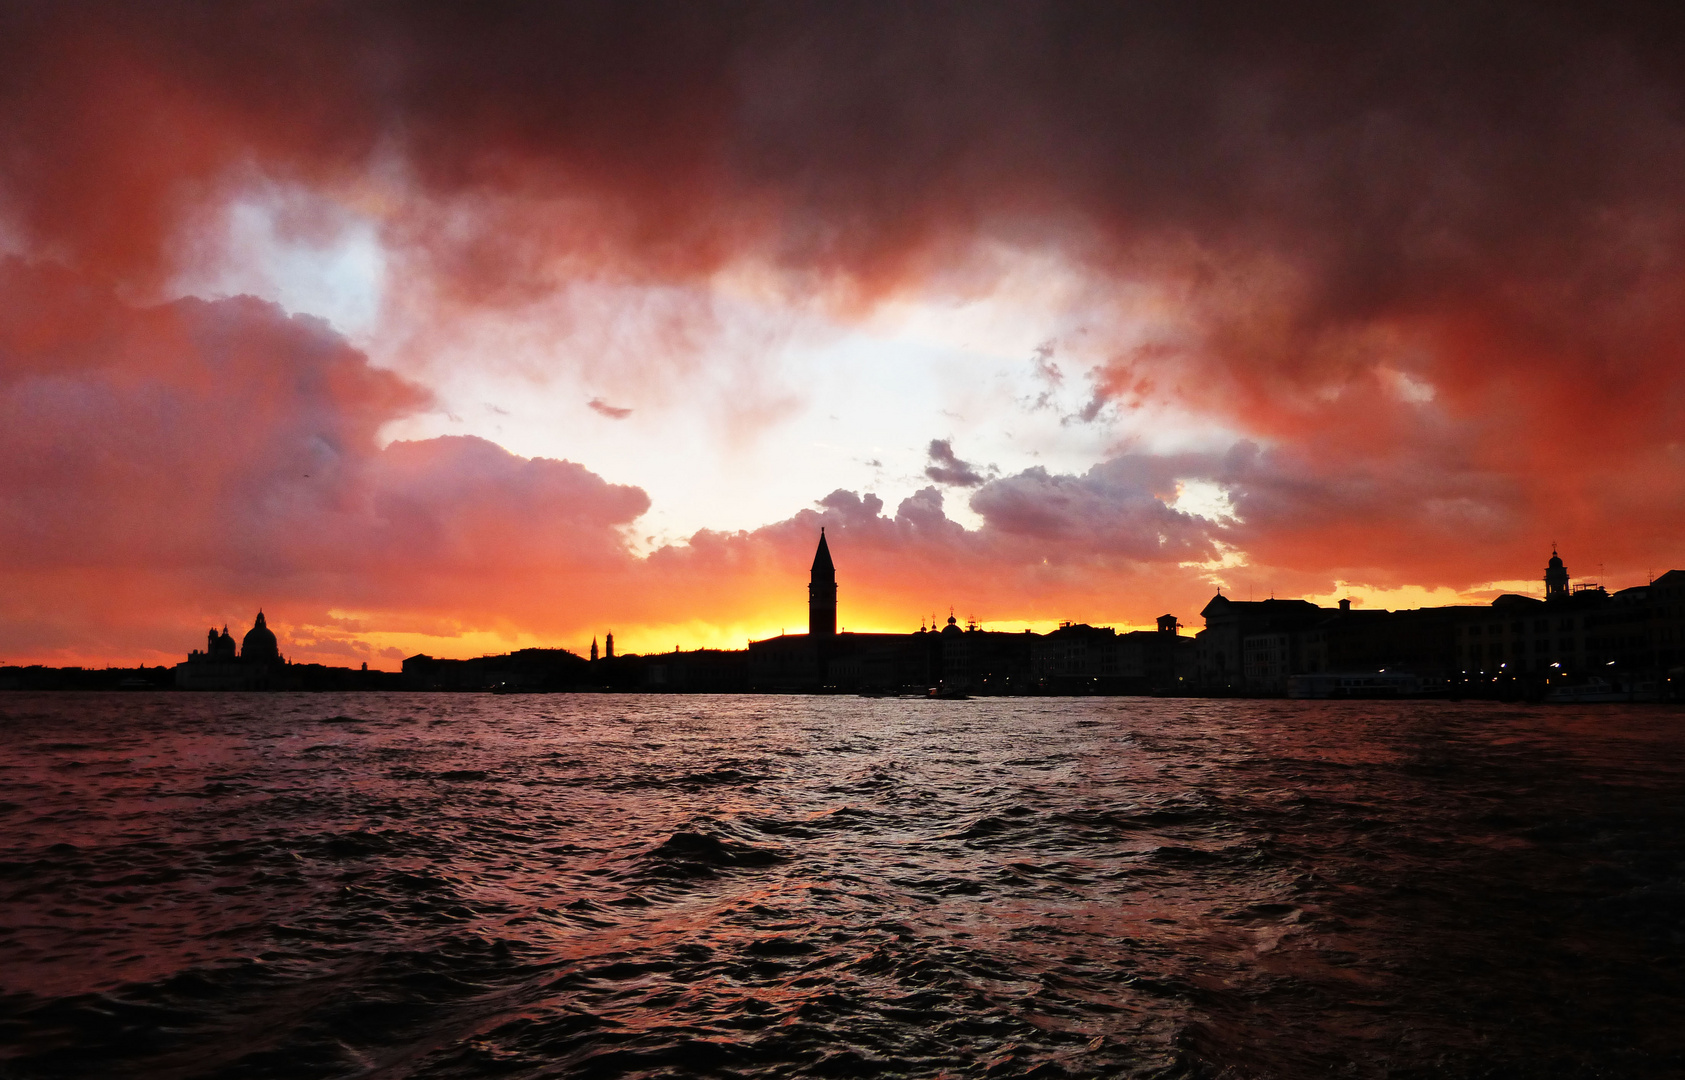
[
  {"x": 1381, "y": 141},
  {"x": 1496, "y": 186},
  {"x": 1428, "y": 256}
]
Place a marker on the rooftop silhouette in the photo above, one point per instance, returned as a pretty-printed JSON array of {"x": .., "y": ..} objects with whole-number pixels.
[{"x": 1577, "y": 634}]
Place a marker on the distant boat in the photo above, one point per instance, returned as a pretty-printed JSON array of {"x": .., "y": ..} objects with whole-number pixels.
[
  {"x": 943, "y": 693},
  {"x": 1355, "y": 684},
  {"x": 1598, "y": 690}
]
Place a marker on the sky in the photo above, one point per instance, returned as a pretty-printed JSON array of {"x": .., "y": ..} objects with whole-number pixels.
[{"x": 471, "y": 327}]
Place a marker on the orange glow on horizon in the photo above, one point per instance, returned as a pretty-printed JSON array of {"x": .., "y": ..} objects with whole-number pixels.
[{"x": 1019, "y": 345}]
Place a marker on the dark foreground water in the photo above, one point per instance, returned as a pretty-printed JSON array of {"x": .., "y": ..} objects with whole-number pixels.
[{"x": 456, "y": 886}]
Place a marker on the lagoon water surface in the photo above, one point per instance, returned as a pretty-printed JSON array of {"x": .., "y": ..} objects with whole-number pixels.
[{"x": 606, "y": 886}]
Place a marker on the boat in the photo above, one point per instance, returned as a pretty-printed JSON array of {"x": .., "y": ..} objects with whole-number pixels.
[
  {"x": 1598, "y": 690},
  {"x": 1355, "y": 684}
]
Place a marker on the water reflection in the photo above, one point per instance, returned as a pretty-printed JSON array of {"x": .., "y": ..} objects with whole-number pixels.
[{"x": 463, "y": 885}]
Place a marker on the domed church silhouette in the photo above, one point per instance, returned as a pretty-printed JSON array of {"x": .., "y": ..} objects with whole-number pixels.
[{"x": 258, "y": 665}]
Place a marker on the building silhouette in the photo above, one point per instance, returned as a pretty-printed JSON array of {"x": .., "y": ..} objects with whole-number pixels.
[
  {"x": 1253, "y": 643},
  {"x": 258, "y": 665},
  {"x": 1556, "y": 577},
  {"x": 522, "y": 671},
  {"x": 259, "y": 645},
  {"x": 220, "y": 646},
  {"x": 1579, "y": 638},
  {"x": 822, "y": 593},
  {"x": 956, "y": 659}
]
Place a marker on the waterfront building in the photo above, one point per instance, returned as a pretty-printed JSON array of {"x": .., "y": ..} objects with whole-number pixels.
[
  {"x": 1578, "y": 635},
  {"x": 525, "y": 670},
  {"x": 258, "y": 665},
  {"x": 1252, "y": 646},
  {"x": 962, "y": 659},
  {"x": 1519, "y": 645},
  {"x": 1667, "y": 620}
]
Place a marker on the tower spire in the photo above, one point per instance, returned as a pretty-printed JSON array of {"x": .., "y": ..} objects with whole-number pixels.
[{"x": 822, "y": 592}]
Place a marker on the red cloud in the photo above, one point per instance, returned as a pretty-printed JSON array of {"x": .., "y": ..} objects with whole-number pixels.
[
  {"x": 1427, "y": 259},
  {"x": 207, "y": 456},
  {"x": 180, "y": 463}
]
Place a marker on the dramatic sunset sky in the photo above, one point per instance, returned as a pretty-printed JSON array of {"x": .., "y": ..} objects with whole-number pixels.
[{"x": 464, "y": 328}]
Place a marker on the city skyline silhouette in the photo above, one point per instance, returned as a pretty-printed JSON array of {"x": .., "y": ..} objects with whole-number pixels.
[
  {"x": 991, "y": 318},
  {"x": 769, "y": 539},
  {"x": 1578, "y": 641}
]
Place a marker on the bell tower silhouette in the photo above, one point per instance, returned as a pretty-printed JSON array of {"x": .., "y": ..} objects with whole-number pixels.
[
  {"x": 822, "y": 593},
  {"x": 1556, "y": 577}
]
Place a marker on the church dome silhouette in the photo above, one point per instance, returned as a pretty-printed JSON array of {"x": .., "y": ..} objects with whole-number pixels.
[{"x": 259, "y": 642}]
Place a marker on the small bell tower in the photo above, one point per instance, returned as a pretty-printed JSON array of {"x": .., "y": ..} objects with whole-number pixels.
[{"x": 1556, "y": 577}]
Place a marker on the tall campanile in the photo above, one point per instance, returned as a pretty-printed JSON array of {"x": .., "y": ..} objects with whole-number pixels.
[{"x": 822, "y": 593}]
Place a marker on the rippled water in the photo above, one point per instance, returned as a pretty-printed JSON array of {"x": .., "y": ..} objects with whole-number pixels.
[{"x": 454, "y": 886}]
